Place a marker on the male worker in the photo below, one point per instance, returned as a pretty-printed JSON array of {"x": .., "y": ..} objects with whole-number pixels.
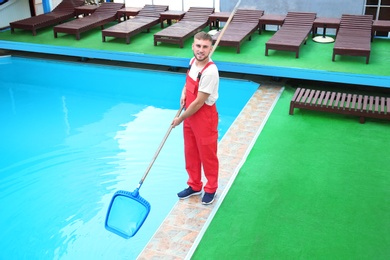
[{"x": 200, "y": 121}]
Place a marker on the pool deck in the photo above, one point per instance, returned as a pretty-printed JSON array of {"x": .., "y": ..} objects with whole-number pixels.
[
  {"x": 314, "y": 62},
  {"x": 284, "y": 71}
]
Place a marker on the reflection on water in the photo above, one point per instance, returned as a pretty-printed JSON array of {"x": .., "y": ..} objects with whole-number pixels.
[{"x": 66, "y": 120}]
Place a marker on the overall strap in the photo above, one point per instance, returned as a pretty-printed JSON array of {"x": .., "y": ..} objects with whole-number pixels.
[
  {"x": 205, "y": 67},
  {"x": 191, "y": 62}
]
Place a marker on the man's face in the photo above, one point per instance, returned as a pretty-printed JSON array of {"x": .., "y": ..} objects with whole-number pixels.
[{"x": 202, "y": 49}]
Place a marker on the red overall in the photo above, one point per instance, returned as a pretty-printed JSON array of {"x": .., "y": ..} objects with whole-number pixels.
[{"x": 201, "y": 140}]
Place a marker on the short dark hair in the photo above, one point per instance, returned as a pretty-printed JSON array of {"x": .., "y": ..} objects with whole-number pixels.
[{"x": 203, "y": 36}]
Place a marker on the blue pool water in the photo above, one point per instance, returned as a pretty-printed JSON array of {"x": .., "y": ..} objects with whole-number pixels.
[{"x": 71, "y": 135}]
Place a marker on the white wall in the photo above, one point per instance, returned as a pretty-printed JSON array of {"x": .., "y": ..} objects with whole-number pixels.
[
  {"x": 38, "y": 7},
  {"x": 13, "y": 10},
  {"x": 54, "y": 3}
]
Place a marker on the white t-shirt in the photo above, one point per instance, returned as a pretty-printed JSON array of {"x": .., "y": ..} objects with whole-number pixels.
[{"x": 209, "y": 81}]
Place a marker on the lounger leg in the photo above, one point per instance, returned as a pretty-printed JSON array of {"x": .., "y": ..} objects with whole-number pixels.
[
  {"x": 55, "y": 34},
  {"x": 266, "y": 51},
  {"x": 291, "y": 108},
  {"x": 362, "y": 120},
  {"x": 333, "y": 56},
  {"x": 103, "y": 38}
]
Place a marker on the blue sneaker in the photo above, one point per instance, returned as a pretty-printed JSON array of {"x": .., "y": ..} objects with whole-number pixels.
[
  {"x": 186, "y": 193},
  {"x": 208, "y": 198}
]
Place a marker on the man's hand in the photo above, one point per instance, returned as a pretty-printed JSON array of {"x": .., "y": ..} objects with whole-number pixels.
[{"x": 177, "y": 121}]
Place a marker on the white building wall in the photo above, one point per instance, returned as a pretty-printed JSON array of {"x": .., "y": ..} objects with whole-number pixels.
[{"x": 13, "y": 10}]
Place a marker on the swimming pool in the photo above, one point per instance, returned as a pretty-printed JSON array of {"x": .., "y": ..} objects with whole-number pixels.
[{"x": 72, "y": 134}]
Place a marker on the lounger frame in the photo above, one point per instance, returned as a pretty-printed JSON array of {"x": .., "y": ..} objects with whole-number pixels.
[
  {"x": 103, "y": 15},
  {"x": 292, "y": 34},
  {"x": 354, "y": 36},
  {"x": 341, "y": 103},
  {"x": 244, "y": 23},
  {"x": 148, "y": 17},
  {"x": 64, "y": 11},
  {"x": 195, "y": 20}
]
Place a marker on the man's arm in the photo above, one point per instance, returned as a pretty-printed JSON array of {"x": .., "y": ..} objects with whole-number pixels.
[
  {"x": 183, "y": 97},
  {"x": 192, "y": 109}
]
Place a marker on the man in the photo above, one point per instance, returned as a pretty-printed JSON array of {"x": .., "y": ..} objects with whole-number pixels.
[{"x": 200, "y": 121}]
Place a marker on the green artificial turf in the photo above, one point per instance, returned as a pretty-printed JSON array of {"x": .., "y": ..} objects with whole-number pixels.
[
  {"x": 315, "y": 56},
  {"x": 314, "y": 186}
]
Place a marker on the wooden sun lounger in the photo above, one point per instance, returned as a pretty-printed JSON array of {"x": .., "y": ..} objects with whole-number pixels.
[
  {"x": 244, "y": 23},
  {"x": 61, "y": 13},
  {"x": 354, "y": 36},
  {"x": 104, "y": 14},
  {"x": 147, "y": 17},
  {"x": 341, "y": 103},
  {"x": 292, "y": 34},
  {"x": 195, "y": 19}
]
